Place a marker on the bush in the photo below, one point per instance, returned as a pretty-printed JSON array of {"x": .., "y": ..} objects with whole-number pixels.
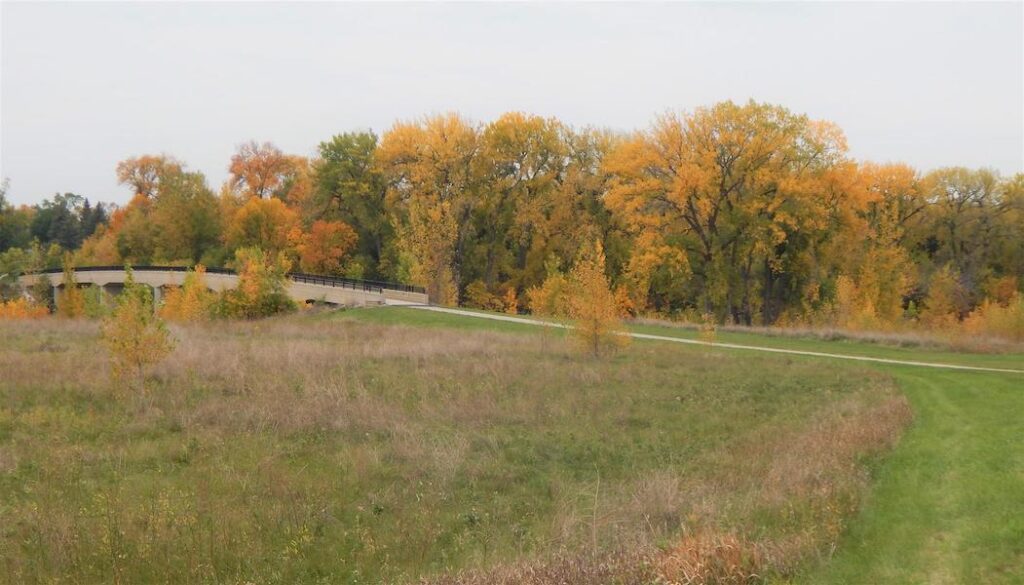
[
  {"x": 71, "y": 300},
  {"x": 261, "y": 291},
  {"x": 192, "y": 301},
  {"x": 95, "y": 302},
  {"x": 134, "y": 335},
  {"x": 21, "y": 308},
  {"x": 997, "y": 320}
]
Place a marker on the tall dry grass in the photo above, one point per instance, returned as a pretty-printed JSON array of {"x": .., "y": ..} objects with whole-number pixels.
[
  {"x": 772, "y": 502},
  {"x": 304, "y": 449}
]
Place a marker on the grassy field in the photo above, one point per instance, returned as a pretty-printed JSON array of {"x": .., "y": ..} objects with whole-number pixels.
[
  {"x": 400, "y": 446},
  {"x": 946, "y": 504}
]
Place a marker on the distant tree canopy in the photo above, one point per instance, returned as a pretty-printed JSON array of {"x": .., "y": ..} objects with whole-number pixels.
[{"x": 747, "y": 213}]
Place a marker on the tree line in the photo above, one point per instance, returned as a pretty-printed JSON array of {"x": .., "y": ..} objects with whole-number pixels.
[{"x": 742, "y": 213}]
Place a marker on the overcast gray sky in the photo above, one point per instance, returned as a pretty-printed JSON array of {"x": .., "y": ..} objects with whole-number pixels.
[{"x": 87, "y": 85}]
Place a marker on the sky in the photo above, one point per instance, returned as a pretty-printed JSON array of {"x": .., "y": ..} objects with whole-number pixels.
[{"x": 83, "y": 86}]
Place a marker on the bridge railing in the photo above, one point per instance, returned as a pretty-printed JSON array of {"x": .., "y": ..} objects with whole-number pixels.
[{"x": 336, "y": 281}]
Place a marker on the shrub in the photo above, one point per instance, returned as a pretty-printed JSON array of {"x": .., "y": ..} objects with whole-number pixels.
[
  {"x": 510, "y": 302},
  {"x": 478, "y": 297},
  {"x": 997, "y": 320},
  {"x": 192, "y": 301},
  {"x": 261, "y": 286},
  {"x": 95, "y": 302},
  {"x": 21, "y": 308},
  {"x": 551, "y": 298},
  {"x": 134, "y": 335},
  {"x": 71, "y": 300}
]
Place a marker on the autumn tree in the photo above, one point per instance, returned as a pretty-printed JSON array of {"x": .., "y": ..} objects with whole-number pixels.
[
  {"x": 551, "y": 297},
  {"x": 143, "y": 174},
  {"x": 192, "y": 301},
  {"x": 432, "y": 195},
  {"x": 943, "y": 304},
  {"x": 350, "y": 186},
  {"x": 135, "y": 337},
  {"x": 966, "y": 223},
  {"x": 748, "y": 213},
  {"x": 325, "y": 247},
  {"x": 267, "y": 224},
  {"x": 186, "y": 218},
  {"x": 173, "y": 216},
  {"x": 520, "y": 166},
  {"x": 260, "y": 170},
  {"x": 261, "y": 290},
  {"x": 592, "y": 304},
  {"x": 71, "y": 299},
  {"x": 995, "y": 319},
  {"x": 726, "y": 191}
]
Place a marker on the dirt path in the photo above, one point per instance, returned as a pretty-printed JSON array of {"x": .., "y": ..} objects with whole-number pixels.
[{"x": 878, "y": 360}]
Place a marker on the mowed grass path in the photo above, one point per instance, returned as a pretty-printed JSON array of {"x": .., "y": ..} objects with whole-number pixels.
[{"x": 948, "y": 504}]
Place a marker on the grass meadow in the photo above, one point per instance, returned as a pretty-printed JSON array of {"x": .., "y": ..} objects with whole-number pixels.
[{"x": 400, "y": 447}]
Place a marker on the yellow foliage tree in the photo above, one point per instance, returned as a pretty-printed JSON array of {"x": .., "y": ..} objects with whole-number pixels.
[
  {"x": 71, "y": 299},
  {"x": 135, "y": 337},
  {"x": 550, "y": 299},
  {"x": 261, "y": 286},
  {"x": 942, "y": 306},
  {"x": 592, "y": 304},
  {"x": 264, "y": 223},
  {"x": 190, "y": 302},
  {"x": 478, "y": 297},
  {"x": 624, "y": 301},
  {"x": 725, "y": 186},
  {"x": 429, "y": 168},
  {"x": 995, "y": 319}
]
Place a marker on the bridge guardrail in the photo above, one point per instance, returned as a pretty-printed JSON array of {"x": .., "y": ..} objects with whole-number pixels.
[{"x": 336, "y": 281}]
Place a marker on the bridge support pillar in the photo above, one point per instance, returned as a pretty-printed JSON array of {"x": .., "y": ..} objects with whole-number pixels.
[{"x": 158, "y": 296}]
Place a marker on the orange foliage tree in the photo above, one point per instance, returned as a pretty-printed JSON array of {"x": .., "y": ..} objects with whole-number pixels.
[
  {"x": 324, "y": 249},
  {"x": 260, "y": 170},
  {"x": 21, "y": 308}
]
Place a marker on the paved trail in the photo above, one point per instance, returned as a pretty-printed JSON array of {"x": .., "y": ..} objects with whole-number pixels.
[{"x": 859, "y": 358}]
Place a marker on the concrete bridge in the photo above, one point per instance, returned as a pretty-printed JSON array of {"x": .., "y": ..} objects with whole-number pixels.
[{"x": 303, "y": 288}]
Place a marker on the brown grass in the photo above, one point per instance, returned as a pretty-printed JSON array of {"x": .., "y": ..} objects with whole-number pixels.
[
  {"x": 288, "y": 449},
  {"x": 816, "y": 471}
]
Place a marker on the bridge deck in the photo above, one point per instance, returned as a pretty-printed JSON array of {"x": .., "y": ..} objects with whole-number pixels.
[{"x": 302, "y": 288}]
